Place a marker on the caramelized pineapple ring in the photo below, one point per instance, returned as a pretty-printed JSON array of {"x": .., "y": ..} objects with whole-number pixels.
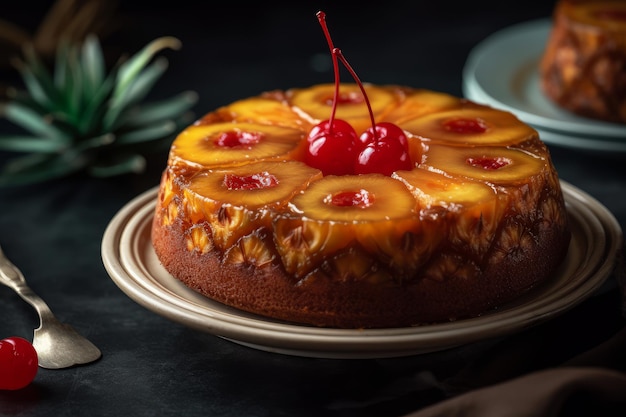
[
  {"x": 388, "y": 199},
  {"x": 521, "y": 179},
  {"x": 230, "y": 144},
  {"x": 316, "y": 103},
  {"x": 265, "y": 111},
  {"x": 471, "y": 209},
  {"x": 235, "y": 202},
  {"x": 372, "y": 211},
  {"x": 496, "y": 165},
  {"x": 418, "y": 103},
  {"x": 471, "y": 125}
]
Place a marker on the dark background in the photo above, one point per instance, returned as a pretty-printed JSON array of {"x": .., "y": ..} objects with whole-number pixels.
[{"x": 231, "y": 50}]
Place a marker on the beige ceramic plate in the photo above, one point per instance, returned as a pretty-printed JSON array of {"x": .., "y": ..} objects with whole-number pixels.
[{"x": 132, "y": 264}]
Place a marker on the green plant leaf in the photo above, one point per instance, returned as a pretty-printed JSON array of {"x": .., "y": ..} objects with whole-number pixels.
[
  {"x": 74, "y": 90},
  {"x": 34, "y": 87},
  {"x": 25, "y": 163},
  {"x": 91, "y": 117},
  {"x": 82, "y": 118},
  {"x": 146, "y": 134},
  {"x": 34, "y": 168},
  {"x": 24, "y": 99},
  {"x": 32, "y": 121},
  {"x": 95, "y": 142},
  {"x": 170, "y": 108},
  {"x": 39, "y": 89},
  {"x": 129, "y": 69},
  {"x": 93, "y": 65},
  {"x": 132, "y": 163},
  {"x": 31, "y": 144},
  {"x": 37, "y": 78},
  {"x": 135, "y": 92},
  {"x": 61, "y": 75}
]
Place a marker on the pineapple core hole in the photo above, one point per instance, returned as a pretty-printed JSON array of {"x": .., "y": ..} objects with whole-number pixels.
[
  {"x": 489, "y": 163},
  {"x": 233, "y": 138},
  {"x": 465, "y": 125},
  {"x": 249, "y": 182},
  {"x": 360, "y": 198}
]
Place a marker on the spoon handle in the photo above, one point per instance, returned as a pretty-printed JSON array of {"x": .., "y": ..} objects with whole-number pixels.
[{"x": 12, "y": 277}]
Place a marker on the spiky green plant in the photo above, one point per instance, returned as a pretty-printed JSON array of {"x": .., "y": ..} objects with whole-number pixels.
[{"x": 79, "y": 117}]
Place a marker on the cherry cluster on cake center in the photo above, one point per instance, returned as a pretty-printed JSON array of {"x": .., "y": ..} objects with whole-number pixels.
[{"x": 335, "y": 148}]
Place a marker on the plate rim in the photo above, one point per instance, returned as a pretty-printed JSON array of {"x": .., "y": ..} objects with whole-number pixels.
[
  {"x": 573, "y": 125},
  {"x": 292, "y": 339}
]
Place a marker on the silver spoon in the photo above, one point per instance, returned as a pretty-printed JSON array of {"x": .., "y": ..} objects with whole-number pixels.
[{"x": 58, "y": 345}]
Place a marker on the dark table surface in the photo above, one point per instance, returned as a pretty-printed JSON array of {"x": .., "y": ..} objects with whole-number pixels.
[{"x": 152, "y": 366}]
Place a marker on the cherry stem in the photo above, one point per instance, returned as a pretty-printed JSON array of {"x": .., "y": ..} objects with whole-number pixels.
[
  {"x": 321, "y": 17},
  {"x": 337, "y": 52}
]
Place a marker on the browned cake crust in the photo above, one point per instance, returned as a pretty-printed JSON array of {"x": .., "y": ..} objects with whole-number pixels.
[
  {"x": 452, "y": 239},
  {"x": 358, "y": 304},
  {"x": 583, "y": 68}
]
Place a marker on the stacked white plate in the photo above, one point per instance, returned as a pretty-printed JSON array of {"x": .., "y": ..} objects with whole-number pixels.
[{"x": 503, "y": 71}]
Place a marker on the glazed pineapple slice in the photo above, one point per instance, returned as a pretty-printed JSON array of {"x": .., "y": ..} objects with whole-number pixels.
[
  {"x": 471, "y": 209},
  {"x": 433, "y": 189},
  {"x": 264, "y": 110},
  {"x": 316, "y": 103},
  {"x": 230, "y": 144},
  {"x": 418, "y": 103},
  {"x": 518, "y": 176},
  {"x": 472, "y": 125},
  {"x": 498, "y": 165},
  {"x": 238, "y": 201},
  {"x": 373, "y": 211}
]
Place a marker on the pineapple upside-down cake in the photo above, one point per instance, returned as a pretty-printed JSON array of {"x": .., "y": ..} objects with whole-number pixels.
[{"x": 441, "y": 209}]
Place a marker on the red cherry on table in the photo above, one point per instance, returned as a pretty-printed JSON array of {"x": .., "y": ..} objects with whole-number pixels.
[
  {"x": 18, "y": 363},
  {"x": 386, "y": 150},
  {"x": 332, "y": 147}
]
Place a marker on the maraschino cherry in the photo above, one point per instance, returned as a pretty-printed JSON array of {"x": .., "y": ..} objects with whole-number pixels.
[
  {"x": 333, "y": 144},
  {"x": 334, "y": 141},
  {"x": 18, "y": 363},
  {"x": 385, "y": 147}
]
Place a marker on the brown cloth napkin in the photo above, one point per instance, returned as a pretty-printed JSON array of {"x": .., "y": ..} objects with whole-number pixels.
[
  {"x": 521, "y": 375},
  {"x": 567, "y": 391}
]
